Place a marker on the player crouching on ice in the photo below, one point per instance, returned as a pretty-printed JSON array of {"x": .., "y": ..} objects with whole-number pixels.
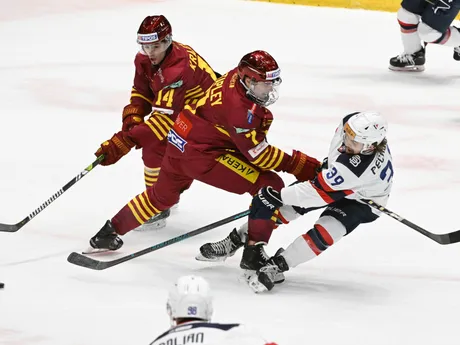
[
  {"x": 221, "y": 140},
  {"x": 359, "y": 166},
  {"x": 190, "y": 308}
]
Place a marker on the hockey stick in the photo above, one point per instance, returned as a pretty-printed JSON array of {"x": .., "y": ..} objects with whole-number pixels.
[
  {"x": 84, "y": 261},
  {"x": 17, "y": 226},
  {"x": 449, "y": 238}
]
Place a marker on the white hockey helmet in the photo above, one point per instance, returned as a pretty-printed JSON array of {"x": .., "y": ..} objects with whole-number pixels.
[
  {"x": 190, "y": 298},
  {"x": 368, "y": 128}
]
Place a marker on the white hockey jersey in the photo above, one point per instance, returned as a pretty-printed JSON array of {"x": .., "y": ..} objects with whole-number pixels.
[
  {"x": 350, "y": 176},
  {"x": 208, "y": 333}
]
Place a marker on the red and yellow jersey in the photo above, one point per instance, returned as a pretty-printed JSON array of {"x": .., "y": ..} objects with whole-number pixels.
[
  {"x": 181, "y": 79},
  {"x": 223, "y": 121}
]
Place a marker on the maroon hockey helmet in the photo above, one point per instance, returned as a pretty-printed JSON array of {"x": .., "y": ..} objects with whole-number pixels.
[
  {"x": 264, "y": 75},
  {"x": 259, "y": 66},
  {"x": 153, "y": 29}
]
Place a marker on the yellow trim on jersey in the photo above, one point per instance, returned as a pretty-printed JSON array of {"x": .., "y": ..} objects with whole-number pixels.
[
  {"x": 137, "y": 94},
  {"x": 154, "y": 130},
  {"x": 240, "y": 167},
  {"x": 159, "y": 126},
  {"x": 166, "y": 125},
  {"x": 279, "y": 160},
  {"x": 262, "y": 156},
  {"x": 166, "y": 118}
]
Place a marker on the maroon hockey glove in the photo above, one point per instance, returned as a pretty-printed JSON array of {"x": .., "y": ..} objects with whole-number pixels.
[
  {"x": 303, "y": 167},
  {"x": 114, "y": 148},
  {"x": 131, "y": 117}
]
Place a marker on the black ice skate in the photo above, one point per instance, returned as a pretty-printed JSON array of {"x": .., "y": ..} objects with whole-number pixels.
[
  {"x": 106, "y": 239},
  {"x": 457, "y": 53},
  {"x": 158, "y": 221},
  {"x": 221, "y": 250},
  {"x": 269, "y": 274},
  {"x": 409, "y": 62}
]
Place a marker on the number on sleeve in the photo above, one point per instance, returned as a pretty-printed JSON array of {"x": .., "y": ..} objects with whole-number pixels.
[{"x": 336, "y": 179}]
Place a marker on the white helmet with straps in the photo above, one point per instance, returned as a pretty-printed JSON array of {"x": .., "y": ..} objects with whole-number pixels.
[
  {"x": 190, "y": 298},
  {"x": 368, "y": 128}
]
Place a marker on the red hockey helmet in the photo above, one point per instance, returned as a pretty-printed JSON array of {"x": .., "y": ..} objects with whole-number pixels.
[
  {"x": 153, "y": 29},
  {"x": 155, "y": 36},
  {"x": 264, "y": 76}
]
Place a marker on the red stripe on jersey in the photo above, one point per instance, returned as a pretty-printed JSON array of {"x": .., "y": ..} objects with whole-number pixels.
[
  {"x": 323, "y": 194},
  {"x": 312, "y": 244},
  {"x": 324, "y": 234},
  {"x": 329, "y": 189},
  {"x": 323, "y": 183}
]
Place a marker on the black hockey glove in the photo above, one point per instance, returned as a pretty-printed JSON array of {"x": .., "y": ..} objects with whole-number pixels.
[{"x": 265, "y": 203}]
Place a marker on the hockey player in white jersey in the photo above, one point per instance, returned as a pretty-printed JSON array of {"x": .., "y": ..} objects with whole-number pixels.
[
  {"x": 359, "y": 166},
  {"x": 190, "y": 309}
]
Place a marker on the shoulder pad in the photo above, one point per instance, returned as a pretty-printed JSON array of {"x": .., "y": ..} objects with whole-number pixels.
[{"x": 357, "y": 164}]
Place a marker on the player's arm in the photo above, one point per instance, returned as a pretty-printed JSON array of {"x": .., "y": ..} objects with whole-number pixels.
[
  {"x": 330, "y": 185},
  {"x": 253, "y": 144},
  {"x": 141, "y": 99}
]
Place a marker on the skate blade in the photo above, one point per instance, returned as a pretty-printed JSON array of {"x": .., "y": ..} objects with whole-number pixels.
[
  {"x": 407, "y": 69},
  {"x": 200, "y": 257},
  {"x": 251, "y": 278},
  {"x": 159, "y": 224},
  {"x": 91, "y": 250}
]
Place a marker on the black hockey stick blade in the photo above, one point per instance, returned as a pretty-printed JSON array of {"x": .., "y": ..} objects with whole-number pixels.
[
  {"x": 84, "y": 261},
  {"x": 449, "y": 238},
  {"x": 17, "y": 226}
]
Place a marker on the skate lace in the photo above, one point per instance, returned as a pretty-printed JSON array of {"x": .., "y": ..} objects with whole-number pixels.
[
  {"x": 223, "y": 246},
  {"x": 263, "y": 254},
  {"x": 406, "y": 58}
]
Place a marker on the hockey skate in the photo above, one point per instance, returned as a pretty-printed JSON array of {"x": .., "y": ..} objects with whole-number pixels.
[
  {"x": 272, "y": 272},
  {"x": 158, "y": 221},
  {"x": 261, "y": 272},
  {"x": 457, "y": 53},
  {"x": 106, "y": 239},
  {"x": 409, "y": 62},
  {"x": 221, "y": 250}
]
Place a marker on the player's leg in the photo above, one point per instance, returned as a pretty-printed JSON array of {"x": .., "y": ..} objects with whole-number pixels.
[
  {"x": 152, "y": 136},
  {"x": 337, "y": 220},
  {"x": 413, "y": 56},
  {"x": 235, "y": 174},
  {"x": 161, "y": 196},
  {"x": 436, "y": 27}
]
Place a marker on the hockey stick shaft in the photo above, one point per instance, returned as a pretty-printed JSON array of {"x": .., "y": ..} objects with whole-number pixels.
[
  {"x": 449, "y": 238},
  {"x": 87, "y": 262},
  {"x": 17, "y": 226}
]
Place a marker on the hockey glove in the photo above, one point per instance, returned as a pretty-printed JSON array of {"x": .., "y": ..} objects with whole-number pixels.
[
  {"x": 265, "y": 203},
  {"x": 131, "y": 117},
  {"x": 303, "y": 167},
  {"x": 115, "y": 148}
]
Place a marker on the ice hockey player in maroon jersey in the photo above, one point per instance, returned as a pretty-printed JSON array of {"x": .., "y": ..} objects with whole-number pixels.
[
  {"x": 220, "y": 140},
  {"x": 168, "y": 76}
]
